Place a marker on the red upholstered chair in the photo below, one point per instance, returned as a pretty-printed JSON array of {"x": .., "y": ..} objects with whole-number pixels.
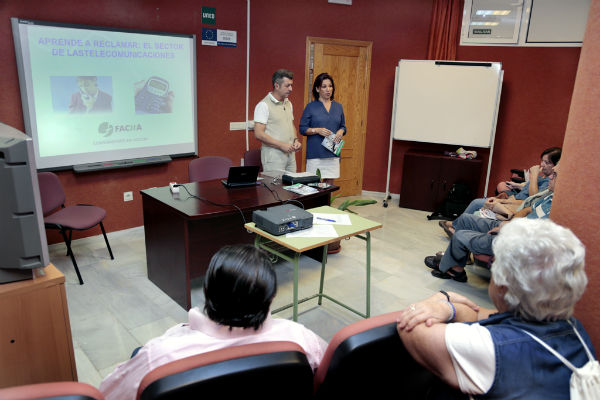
[
  {"x": 208, "y": 168},
  {"x": 259, "y": 370},
  {"x": 52, "y": 390},
  {"x": 483, "y": 260},
  {"x": 252, "y": 157},
  {"x": 367, "y": 359},
  {"x": 517, "y": 175},
  {"x": 67, "y": 219}
]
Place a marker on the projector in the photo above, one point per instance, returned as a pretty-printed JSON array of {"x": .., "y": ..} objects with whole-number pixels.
[{"x": 282, "y": 219}]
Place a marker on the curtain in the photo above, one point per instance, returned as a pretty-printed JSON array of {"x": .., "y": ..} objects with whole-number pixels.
[{"x": 444, "y": 34}]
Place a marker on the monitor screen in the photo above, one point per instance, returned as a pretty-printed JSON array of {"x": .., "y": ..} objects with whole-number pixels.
[
  {"x": 94, "y": 94},
  {"x": 23, "y": 245}
]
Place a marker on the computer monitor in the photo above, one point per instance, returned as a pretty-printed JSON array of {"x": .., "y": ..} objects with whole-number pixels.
[{"x": 23, "y": 244}]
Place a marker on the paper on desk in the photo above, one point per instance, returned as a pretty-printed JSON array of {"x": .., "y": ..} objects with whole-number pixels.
[
  {"x": 299, "y": 174},
  {"x": 315, "y": 231},
  {"x": 327, "y": 219},
  {"x": 300, "y": 189}
]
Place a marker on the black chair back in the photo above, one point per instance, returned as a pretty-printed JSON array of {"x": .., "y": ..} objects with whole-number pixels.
[
  {"x": 375, "y": 363},
  {"x": 284, "y": 373}
]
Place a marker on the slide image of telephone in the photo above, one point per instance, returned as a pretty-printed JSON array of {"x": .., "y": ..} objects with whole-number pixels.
[{"x": 153, "y": 97}]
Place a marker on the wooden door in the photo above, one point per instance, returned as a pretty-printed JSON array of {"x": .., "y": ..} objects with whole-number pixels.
[{"x": 349, "y": 63}]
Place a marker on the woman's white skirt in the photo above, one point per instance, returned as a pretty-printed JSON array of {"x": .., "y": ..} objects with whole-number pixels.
[{"x": 329, "y": 167}]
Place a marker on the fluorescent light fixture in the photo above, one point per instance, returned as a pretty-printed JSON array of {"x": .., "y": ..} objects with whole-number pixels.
[
  {"x": 492, "y": 12},
  {"x": 484, "y": 23}
]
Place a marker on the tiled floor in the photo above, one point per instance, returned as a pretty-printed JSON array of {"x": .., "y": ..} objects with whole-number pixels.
[{"x": 119, "y": 309}]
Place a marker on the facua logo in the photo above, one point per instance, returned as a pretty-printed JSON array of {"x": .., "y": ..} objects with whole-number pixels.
[{"x": 107, "y": 129}]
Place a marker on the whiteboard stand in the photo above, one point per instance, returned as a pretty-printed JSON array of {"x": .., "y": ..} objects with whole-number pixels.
[
  {"x": 487, "y": 175},
  {"x": 463, "y": 96},
  {"x": 392, "y": 129}
]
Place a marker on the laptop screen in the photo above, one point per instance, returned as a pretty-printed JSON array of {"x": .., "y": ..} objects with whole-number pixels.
[{"x": 242, "y": 175}]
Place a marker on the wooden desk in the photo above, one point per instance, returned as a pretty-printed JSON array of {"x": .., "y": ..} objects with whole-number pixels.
[
  {"x": 182, "y": 233},
  {"x": 302, "y": 244},
  {"x": 35, "y": 332}
]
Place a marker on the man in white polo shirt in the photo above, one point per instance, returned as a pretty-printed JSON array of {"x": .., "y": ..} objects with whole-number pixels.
[{"x": 274, "y": 125}]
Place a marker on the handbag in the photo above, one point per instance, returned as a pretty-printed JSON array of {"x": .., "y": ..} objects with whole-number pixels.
[
  {"x": 502, "y": 211},
  {"x": 585, "y": 381}
]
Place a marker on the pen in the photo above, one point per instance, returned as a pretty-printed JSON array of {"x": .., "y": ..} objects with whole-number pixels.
[{"x": 325, "y": 219}]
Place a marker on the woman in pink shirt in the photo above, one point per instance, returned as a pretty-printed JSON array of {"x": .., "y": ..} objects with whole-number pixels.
[{"x": 239, "y": 287}]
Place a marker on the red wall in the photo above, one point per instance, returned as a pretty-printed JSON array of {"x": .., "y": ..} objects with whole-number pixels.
[
  {"x": 220, "y": 85},
  {"x": 534, "y": 105},
  {"x": 575, "y": 205},
  {"x": 535, "y": 99},
  {"x": 397, "y": 28}
]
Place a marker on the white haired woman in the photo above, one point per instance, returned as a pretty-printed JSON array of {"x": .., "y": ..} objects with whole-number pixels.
[{"x": 537, "y": 277}]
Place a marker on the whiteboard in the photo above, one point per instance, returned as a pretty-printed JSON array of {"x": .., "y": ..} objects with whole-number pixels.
[{"x": 449, "y": 102}]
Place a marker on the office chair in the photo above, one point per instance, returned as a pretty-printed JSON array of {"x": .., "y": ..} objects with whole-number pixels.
[
  {"x": 52, "y": 390},
  {"x": 258, "y": 370},
  {"x": 252, "y": 157},
  {"x": 367, "y": 359},
  {"x": 208, "y": 168},
  {"x": 483, "y": 260},
  {"x": 67, "y": 219}
]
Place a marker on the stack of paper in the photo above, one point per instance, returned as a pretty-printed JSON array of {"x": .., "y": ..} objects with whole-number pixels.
[{"x": 299, "y": 188}]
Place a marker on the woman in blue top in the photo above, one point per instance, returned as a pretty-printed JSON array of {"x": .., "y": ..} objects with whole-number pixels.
[{"x": 322, "y": 118}]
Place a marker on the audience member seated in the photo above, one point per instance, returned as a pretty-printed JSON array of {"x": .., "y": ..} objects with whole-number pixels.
[
  {"x": 505, "y": 209},
  {"x": 535, "y": 285},
  {"x": 549, "y": 158},
  {"x": 239, "y": 287},
  {"x": 476, "y": 234}
]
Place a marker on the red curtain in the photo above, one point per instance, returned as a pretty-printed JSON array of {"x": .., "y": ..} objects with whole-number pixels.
[{"x": 444, "y": 34}]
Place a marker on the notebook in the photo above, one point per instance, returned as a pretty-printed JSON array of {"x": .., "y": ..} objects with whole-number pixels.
[{"x": 241, "y": 176}]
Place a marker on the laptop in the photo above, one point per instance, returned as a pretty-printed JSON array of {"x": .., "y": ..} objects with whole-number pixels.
[{"x": 241, "y": 176}]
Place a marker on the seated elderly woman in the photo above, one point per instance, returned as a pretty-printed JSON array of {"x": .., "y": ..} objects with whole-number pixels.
[{"x": 534, "y": 285}]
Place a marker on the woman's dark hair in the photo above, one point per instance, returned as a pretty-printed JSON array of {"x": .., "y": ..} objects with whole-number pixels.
[
  {"x": 319, "y": 81},
  {"x": 239, "y": 286},
  {"x": 553, "y": 154}
]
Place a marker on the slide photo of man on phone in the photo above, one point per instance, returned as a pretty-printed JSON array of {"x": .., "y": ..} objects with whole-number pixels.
[
  {"x": 81, "y": 94},
  {"x": 89, "y": 98}
]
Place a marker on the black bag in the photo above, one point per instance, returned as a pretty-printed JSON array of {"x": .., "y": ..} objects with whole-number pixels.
[{"x": 455, "y": 204}]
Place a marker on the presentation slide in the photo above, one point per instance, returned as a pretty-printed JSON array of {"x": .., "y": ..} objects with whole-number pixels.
[{"x": 94, "y": 94}]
